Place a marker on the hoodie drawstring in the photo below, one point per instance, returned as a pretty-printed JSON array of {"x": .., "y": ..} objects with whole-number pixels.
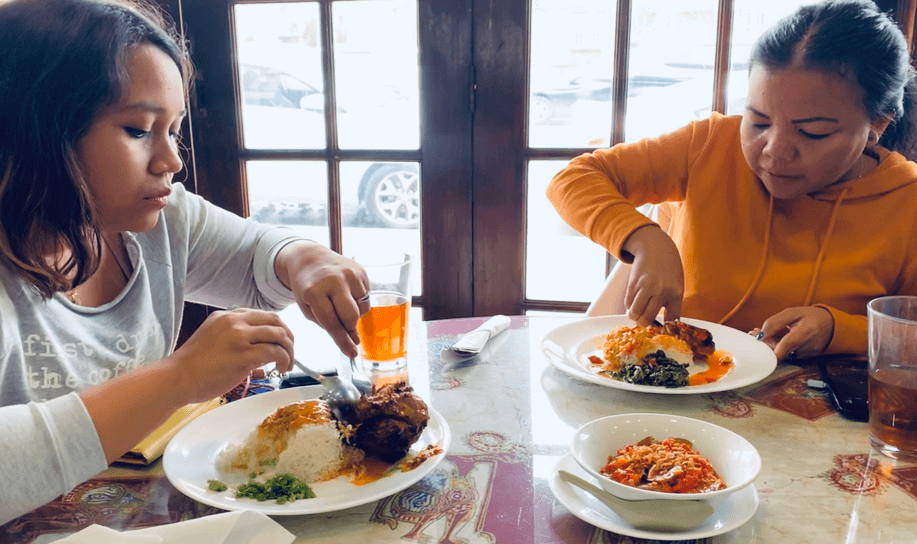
[
  {"x": 760, "y": 271},
  {"x": 824, "y": 246},
  {"x": 818, "y": 260}
]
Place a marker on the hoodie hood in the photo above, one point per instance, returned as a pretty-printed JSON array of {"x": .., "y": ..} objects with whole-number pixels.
[{"x": 893, "y": 172}]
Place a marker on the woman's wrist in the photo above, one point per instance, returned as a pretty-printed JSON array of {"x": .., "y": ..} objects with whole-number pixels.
[
  {"x": 294, "y": 256},
  {"x": 186, "y": 387},
  {"x": 639, "y": 240},
  {"x": 831, "y": 324}
]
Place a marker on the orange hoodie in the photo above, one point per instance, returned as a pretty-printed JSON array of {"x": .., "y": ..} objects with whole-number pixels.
[{"x": 747, "y": 256}]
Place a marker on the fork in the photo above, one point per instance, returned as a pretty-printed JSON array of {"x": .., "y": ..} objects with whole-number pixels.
[{"x": 360, "y": 380}]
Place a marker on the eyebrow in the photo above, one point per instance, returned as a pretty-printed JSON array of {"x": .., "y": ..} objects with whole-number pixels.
[
  {"x": 797, "y": 121},
  {"x": 147, "y": 106}
]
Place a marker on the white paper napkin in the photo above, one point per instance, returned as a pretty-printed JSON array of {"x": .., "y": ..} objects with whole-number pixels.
[
  {"x": 240, "y": 527},
  {"x": 473, "y": 342},
  {"x": 98, "y": 533}
]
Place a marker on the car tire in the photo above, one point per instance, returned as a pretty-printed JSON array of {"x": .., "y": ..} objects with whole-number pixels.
[
  {"x": 392, "y": 195},
  {"x": 542, "y": 110}
]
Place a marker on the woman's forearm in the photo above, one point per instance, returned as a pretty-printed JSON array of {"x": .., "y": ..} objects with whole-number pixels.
[{"x": 129, "y": 407}]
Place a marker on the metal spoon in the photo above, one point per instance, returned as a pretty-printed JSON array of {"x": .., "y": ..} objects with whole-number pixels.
[
  {"x": 340, "y": 394},
  {"x": 656, "y": 514}
]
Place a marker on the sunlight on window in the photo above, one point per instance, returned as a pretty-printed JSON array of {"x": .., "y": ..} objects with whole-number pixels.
[
  {"x": 382, "y": 207},
  {"x": 669, "y": 86},
  {"x": 290, "y": 193},
  {"x": 377, "y": 74},
  {"x": 280, "y": 74},
  {"x": 670, "y": 80},
  {"x": 560, "y": 263},
  {"x": 572, "y": 45},
  {"x": 749, "y": 19}
]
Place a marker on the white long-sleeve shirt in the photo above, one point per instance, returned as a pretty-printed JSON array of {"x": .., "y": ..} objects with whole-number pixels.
[{"x": 50, "y": 349}]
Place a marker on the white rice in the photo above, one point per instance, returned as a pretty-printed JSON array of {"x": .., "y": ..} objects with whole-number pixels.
[
  {"x": 314, "y": 453},
  {"x": 681, "y": 356}
]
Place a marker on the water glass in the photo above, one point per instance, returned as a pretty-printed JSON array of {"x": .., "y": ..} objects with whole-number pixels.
[
  {"x": 384, "y": 329},
  {"x": 893, "y": 376}
]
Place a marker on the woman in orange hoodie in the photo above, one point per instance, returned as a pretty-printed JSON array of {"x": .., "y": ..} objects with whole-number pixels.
[{"x": 784, "y": 221}]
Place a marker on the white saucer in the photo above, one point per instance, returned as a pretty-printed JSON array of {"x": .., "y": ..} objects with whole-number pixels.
[{"x": 729, "y": 513}]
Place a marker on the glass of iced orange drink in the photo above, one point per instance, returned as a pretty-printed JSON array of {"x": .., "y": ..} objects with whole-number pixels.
[{"x": 383, "y": 329}]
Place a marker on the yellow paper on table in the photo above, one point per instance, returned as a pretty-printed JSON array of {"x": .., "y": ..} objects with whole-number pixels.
[{"x": 154, "y": 445}]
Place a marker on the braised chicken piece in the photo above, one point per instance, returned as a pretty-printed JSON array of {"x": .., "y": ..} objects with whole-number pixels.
[
  {"x": 387, "y": 422},
  {"x": 699, "y": 340}
]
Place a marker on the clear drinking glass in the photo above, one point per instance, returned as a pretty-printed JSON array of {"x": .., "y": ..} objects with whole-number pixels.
[
  {"x": 893, "y": 376},
  {"x": 383, "y": 329}
]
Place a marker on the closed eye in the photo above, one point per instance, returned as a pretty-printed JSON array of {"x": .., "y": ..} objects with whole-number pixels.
[
  {"x": 136, "y": 132},
  {"x": 812, "y": 136}
]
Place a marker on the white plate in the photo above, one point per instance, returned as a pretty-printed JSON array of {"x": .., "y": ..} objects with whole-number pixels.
[
  {"x": 729, "y": 513},
  {"x": 569, "y": 346},
  {"x": 189, "y": 460}
]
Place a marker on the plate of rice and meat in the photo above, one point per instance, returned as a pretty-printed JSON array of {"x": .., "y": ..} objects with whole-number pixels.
[
  {"x": 679, "y": 357},
  {"x": 285, "y": 453}
]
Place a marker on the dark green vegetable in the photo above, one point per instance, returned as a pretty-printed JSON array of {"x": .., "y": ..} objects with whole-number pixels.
[
  {"x": 216, "y": 485},
  {"x": 657, "y": 369},
  {"x": 282, "y": 488}
]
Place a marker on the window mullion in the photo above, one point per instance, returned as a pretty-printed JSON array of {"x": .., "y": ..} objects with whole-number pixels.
[
  {"x": 619, "y": 78},
  {"x": 721, "y": 62},
  {"x": 619, "y": 86},
  {"x": 335, "y": 220}
]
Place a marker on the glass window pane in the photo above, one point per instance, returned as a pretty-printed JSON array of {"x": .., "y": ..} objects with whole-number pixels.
[
  {"x": 560, "y": 263},
  {"x": 670, "y": 81},
  {"x": 751, "y": 18},
  {"x": 572, "y": 46},
  {"x": 376, "y": 74},
  {"x": 280, "y": 74},
  {"x": 291, "y": 193},
  {"x": 382, "y": 200}
]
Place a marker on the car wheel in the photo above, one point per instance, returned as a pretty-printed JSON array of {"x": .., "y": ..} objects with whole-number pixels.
[
  {"x": 393, "y": 196},
  {"x": 542, "y": 110}
]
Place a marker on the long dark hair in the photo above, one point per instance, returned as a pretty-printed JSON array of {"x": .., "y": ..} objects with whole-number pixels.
[
  {"x": 62, "y": 63},
  {"x": 855, "y": 39}
]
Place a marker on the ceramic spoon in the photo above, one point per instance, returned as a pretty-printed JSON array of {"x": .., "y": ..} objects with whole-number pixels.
[{"x": 655, "y": 515}]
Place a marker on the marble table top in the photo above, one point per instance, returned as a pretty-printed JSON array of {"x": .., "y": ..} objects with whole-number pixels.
[{"x": 512, "y": 416}]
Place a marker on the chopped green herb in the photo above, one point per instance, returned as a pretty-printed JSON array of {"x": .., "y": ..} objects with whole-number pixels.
[
  {"x": 216, "y": 485},
  {"x": 657, "y": 369},
  {"x": 282, "y": 488}
]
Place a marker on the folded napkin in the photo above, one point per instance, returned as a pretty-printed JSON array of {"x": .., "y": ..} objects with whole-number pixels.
[
  {"x": 154, "y": 445},
  {"x": 240, "y": 527},
  {"x": 473, "y": 342}
]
